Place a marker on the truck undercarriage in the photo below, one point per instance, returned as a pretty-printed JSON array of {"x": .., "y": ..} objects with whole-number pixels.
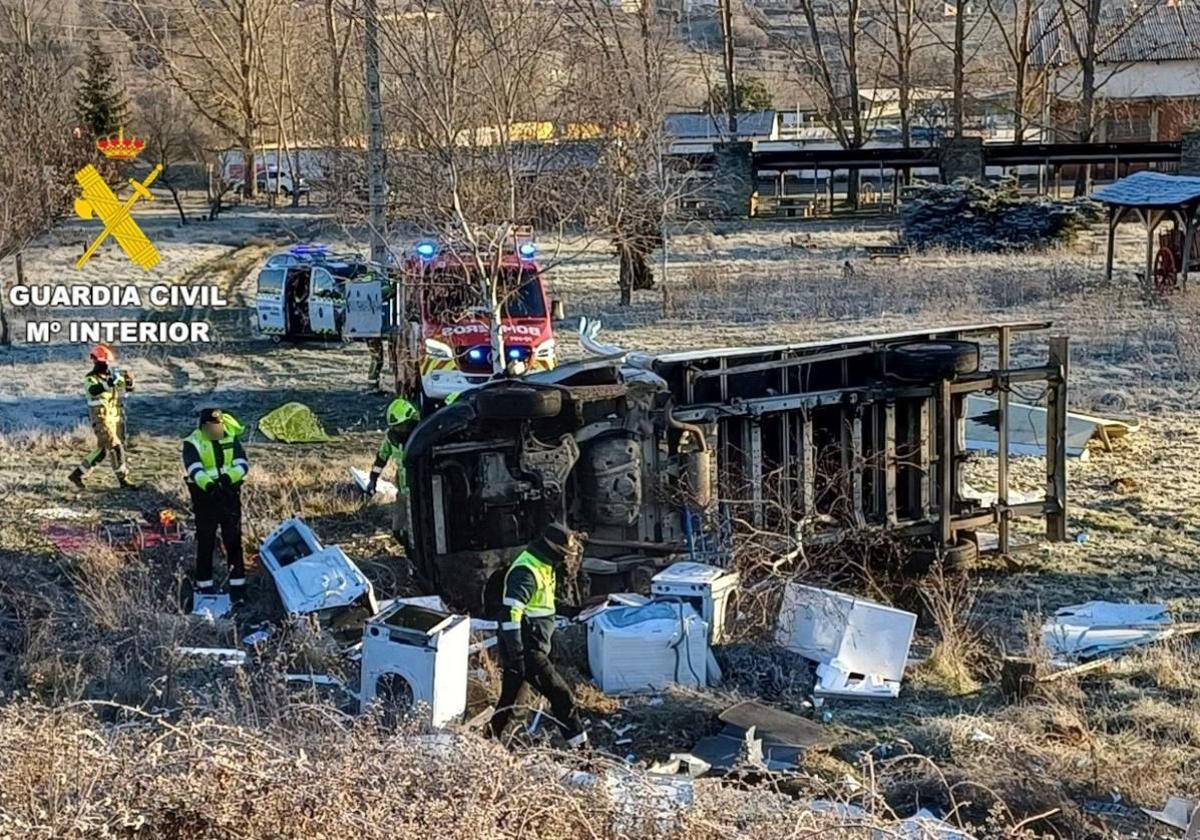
[{"x": 655, "y": 456}]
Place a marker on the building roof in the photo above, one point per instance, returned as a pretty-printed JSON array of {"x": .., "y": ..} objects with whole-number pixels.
[
  {"x": 697, "y": 126},
  {"x": 1150, "y": 189},
  {"x": 1163, "y": 30}
]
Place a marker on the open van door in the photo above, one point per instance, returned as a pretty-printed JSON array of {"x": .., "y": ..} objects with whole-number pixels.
[
  {"x": 365, "y": 309},
  {"x": 268, "y": 301},
  {"x": 324, "y": 302}
]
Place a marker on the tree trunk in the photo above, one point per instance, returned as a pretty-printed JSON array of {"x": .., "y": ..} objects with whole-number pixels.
[
  {"x": 175, "y": 198},
  {"x": 626, "y": 274},
  {"x": 5, "y": 333},
  {"x": 960, "y": 9},
  {"x": 249, "y": 167}
]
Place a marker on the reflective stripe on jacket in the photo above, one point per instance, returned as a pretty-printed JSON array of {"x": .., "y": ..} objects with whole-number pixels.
[
  {"x": 205, "y": 461},
  {"x": 530, "y": 594},
  {"x": 103, "y": 392}
]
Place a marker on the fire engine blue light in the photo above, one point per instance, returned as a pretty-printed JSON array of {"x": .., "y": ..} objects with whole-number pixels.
[
  {"x": 527, "y": 250},
  {"x": 514, "y": 352},
  {"x": 476, "y": 354},
  {"x": 426, "y": 250}
]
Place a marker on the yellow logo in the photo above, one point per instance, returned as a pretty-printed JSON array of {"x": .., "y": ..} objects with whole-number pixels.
[{"x": 99, "y": 200}]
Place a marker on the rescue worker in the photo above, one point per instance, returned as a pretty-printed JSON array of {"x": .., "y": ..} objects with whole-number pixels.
[
  {"x": 527, "y": 629},
  {"x": 402, "y": 418},
  {"x": 104, "y": 390},
  {"x": 375, "y": 349},
  {"x": 216, "y": 465}
]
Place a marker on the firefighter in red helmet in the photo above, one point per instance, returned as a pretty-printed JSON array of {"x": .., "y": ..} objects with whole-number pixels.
[{"x": 104, "y": 389}]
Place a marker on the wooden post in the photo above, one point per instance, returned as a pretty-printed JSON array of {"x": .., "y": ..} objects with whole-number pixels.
[
  {"x": 1056, "y": 440},
  {"x": 1002, "y": 446},
  {"x": 1112, "y": 235},
  {"x": 1189, "y": 234},
  {"x": 808, "y": 467},
  {"x": 1151, "y": 220}
]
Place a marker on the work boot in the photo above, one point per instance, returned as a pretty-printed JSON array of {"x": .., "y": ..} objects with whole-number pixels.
[
  {"x": 124, "y": 481},
  {"x": 76, "y": 477}
]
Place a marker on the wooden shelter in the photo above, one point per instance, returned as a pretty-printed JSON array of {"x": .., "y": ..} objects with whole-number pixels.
[{"x": 1155, "y": 198}]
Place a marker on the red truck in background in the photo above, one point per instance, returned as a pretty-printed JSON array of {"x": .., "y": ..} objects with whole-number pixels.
[{"x": 450, "y": 296}]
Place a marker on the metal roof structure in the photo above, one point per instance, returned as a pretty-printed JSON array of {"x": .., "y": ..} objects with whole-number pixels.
[
  {"x": 697, "y": 126},
  {"x": 1150, "y": 189},
  {"x": 1160, "y": 31}
]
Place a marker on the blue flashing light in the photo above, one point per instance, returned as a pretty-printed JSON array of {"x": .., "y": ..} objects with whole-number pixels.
[
  {"x": 426, "y": 250},
  {"x": 527, "y": 250},
  {"x": 477, "y": 354},
  {"x": 514, "y": 353},
  {"x": 315, "y": 249}
]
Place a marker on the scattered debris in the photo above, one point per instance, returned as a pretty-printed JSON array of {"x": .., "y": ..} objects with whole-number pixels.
[
  {"x": 1124, "y": 485},
  {"x": 1027, "y": 428},
  {"x": 429, "y": 602},
  {"x": 707, "y": 588},
  {"x": 229, "y": 657},
  {"x": 60, "y": 514},
  {"x": 777, "y": 726},
  {"x": 212, "y": 606},
  {"x": 978, "y": 736},
  {"x": 633, "y": 649},
  {"x": 1091, "y": 630},
  {"x": 385, "y": 491},
  {"x": 1178, "y": 813},
  {"x": 256, "y": 638},
  {"x": 293, "y": 423},
  {"x": 1105, "y": 808},
  {"x": 923, "y": 825},
  {"x": 861, "y": 647},
  {"x": 412, "y": 656},
  {"x": 310, "y": 577}
]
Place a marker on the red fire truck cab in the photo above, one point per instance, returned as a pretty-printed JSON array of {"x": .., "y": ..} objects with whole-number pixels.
[{"x": 451, "y": 294}]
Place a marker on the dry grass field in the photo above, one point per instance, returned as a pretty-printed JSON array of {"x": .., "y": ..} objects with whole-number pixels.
[{"x": 106, "y": 731}]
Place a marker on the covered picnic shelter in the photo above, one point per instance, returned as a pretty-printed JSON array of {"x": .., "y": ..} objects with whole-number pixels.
[{"x": 1154, "y": 198}]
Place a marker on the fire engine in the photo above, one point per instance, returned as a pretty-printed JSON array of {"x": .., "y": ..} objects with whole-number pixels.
[{"x": 450, "y": 292}]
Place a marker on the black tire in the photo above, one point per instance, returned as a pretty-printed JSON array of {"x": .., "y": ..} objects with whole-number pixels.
[
  {"x": 517, "y": 402},
  {"x": 960, "y": 555},
  {"x": 933, "y": 359}
]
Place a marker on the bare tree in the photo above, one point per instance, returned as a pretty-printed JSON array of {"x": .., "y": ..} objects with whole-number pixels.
[
  {"x": 472, "y": 86},
  {"x": 338, "y": 23},
  {"x": 172, "y": 133},
  {"x": 625, "y": 75},
  {"x": 37, "y": 162},
  {"x": 1086, "y": 32},
  {"x": 214, "y": 53},
  {"x": 1016, "y": 22},
  {"x": 897, "y": 32},
  {"x": 831, "y": 58}
]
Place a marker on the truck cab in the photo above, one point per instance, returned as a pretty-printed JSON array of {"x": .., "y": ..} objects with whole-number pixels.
[
  {"x": 451, "y": 293},
  {"x": 301, "y": 292}
]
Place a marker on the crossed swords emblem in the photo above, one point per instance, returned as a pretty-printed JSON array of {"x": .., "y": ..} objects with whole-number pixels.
[{"x": 99, "y": 200}]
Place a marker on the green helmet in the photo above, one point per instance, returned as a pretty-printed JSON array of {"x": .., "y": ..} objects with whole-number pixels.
[{"x": 401, "y": 411}]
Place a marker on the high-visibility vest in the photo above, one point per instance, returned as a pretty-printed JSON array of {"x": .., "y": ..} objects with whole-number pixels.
[
  {"x": 206, "y": 472},
  {"x": 109, "y": 398},
  {"x": 541, "y": 603}
]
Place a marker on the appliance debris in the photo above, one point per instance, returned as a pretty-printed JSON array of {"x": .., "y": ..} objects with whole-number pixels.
[
  {"x": 310, "y": 577},
  {"x": 632, "y": 649},
  {"x": 1027, "y": 428},
  {"x": 860, "y": 647},
  {"x": 1096, "y": 628},
  {"x": 385, "y": 491},
  {"x": 415, "y": 657}
]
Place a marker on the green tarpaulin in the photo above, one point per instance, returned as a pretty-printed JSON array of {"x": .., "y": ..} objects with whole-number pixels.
[{"x": 293, "y": 423}]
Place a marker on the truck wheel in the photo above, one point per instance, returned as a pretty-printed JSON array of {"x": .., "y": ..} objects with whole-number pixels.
[
  {"x": 933, "y": 359},
  {"x": 518, "y": 402},
  {"x": 960, "y": 555}
]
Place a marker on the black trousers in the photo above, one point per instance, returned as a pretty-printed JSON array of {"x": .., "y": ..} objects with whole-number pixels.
[
  {"x": 541, "y": 674},
  {"x": 218, "y": 508}
]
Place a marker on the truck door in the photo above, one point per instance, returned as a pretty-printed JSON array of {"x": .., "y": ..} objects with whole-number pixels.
[
  {"x": 268, "y": 301},
  {"x": 364, "y": 309},
  {"x": 324, "y": 302}
]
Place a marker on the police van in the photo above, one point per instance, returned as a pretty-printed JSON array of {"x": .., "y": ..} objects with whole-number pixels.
[{"x": 302, "y": 293}]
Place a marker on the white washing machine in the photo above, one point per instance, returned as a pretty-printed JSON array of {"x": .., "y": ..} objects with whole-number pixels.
[
  {"x": 706, "y": 588},
  {"x": 416, "y": 657}
]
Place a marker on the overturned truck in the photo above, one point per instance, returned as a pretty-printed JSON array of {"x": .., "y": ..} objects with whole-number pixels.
[{"x": 656, "y": 456}]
